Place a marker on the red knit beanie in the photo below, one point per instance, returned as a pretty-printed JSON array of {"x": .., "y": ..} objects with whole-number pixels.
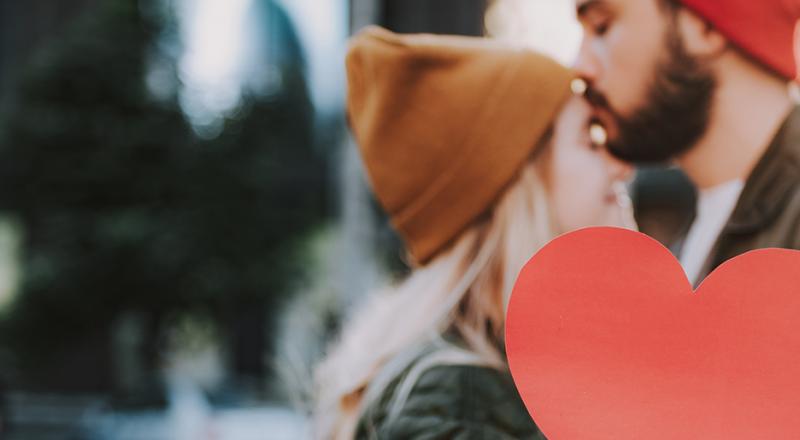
[{"x": 764, "y": 29}]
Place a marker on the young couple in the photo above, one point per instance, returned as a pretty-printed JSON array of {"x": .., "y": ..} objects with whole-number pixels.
[{"x": 480, "y": 154}]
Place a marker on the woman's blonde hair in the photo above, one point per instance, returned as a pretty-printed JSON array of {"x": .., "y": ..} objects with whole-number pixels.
[{"x": 463, "y": 290}]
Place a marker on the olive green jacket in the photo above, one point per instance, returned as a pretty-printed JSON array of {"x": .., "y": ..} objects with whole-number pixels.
[
  {"x": 453, "y": 402},
  {"x": 766, "y": 215},
  {"x": 768, "y": 211}
]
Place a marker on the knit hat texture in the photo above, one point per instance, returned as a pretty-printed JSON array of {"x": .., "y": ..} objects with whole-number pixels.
[
  {"x": 763, "y": 29},
  {"x": 444, "y": 123}
]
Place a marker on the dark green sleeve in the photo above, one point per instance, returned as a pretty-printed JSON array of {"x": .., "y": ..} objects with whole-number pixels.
[{"x": 454, "y": 402}]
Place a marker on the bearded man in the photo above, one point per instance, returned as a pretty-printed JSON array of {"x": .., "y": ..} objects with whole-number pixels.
[{"x": 705, "y": 85}]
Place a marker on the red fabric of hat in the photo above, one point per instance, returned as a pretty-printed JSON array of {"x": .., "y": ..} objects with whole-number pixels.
[{"x": 764, "y": 29}]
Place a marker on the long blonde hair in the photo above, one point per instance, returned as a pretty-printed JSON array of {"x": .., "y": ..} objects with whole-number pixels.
[{"x": 464, "y": 289}]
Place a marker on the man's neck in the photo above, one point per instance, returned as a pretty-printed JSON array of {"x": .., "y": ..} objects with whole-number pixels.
[{"x": 748, "y": 110}]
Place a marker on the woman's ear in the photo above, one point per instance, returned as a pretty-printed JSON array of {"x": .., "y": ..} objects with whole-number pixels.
[{"x": 700, "y": 38}]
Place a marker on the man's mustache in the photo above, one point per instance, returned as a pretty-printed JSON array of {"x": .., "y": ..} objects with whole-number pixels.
[{"x": 596, "y": 99}]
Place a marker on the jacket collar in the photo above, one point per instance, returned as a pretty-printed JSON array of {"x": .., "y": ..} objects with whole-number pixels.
[{"x": 770, "y": 184}]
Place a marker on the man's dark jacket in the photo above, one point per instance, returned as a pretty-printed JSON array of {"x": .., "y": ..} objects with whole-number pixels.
[{"x": 766, "y": 215}]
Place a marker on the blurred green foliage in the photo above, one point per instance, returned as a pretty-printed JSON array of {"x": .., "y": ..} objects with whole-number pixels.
[{"x": 124, "y": 208}]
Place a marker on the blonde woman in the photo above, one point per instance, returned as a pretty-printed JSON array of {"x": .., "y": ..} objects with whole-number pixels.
[{"x": 479, "y": 155}]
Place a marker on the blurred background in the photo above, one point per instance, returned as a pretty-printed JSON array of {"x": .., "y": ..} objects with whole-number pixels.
[{"x": 184, "y": 222}]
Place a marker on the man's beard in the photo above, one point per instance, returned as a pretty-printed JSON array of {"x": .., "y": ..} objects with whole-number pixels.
[{"x": 676, "y": 112}]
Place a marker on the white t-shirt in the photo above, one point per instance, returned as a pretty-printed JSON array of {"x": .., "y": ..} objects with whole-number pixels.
[{"x": 714, "y": 207}]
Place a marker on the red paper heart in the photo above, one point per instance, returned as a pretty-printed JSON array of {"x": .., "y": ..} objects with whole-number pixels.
[{"x": 606, "y": 340}]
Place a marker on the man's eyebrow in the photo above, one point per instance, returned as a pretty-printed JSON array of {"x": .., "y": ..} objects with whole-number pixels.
[{"x": 585, "y": 6}]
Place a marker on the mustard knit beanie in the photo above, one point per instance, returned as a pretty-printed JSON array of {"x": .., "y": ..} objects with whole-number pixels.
[{"x": 444, "y": 123}]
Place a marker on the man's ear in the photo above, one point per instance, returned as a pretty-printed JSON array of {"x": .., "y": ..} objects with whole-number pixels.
[{"x": 700, "y": 38}]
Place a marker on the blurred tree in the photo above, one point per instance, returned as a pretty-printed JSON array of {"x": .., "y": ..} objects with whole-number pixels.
[
  {"x": 124, "y": 209},
  {"x": 23, "y": 25}
]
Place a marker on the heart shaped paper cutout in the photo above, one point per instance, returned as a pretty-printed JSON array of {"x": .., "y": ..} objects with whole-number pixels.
[{"x": 607, "y": 340}]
